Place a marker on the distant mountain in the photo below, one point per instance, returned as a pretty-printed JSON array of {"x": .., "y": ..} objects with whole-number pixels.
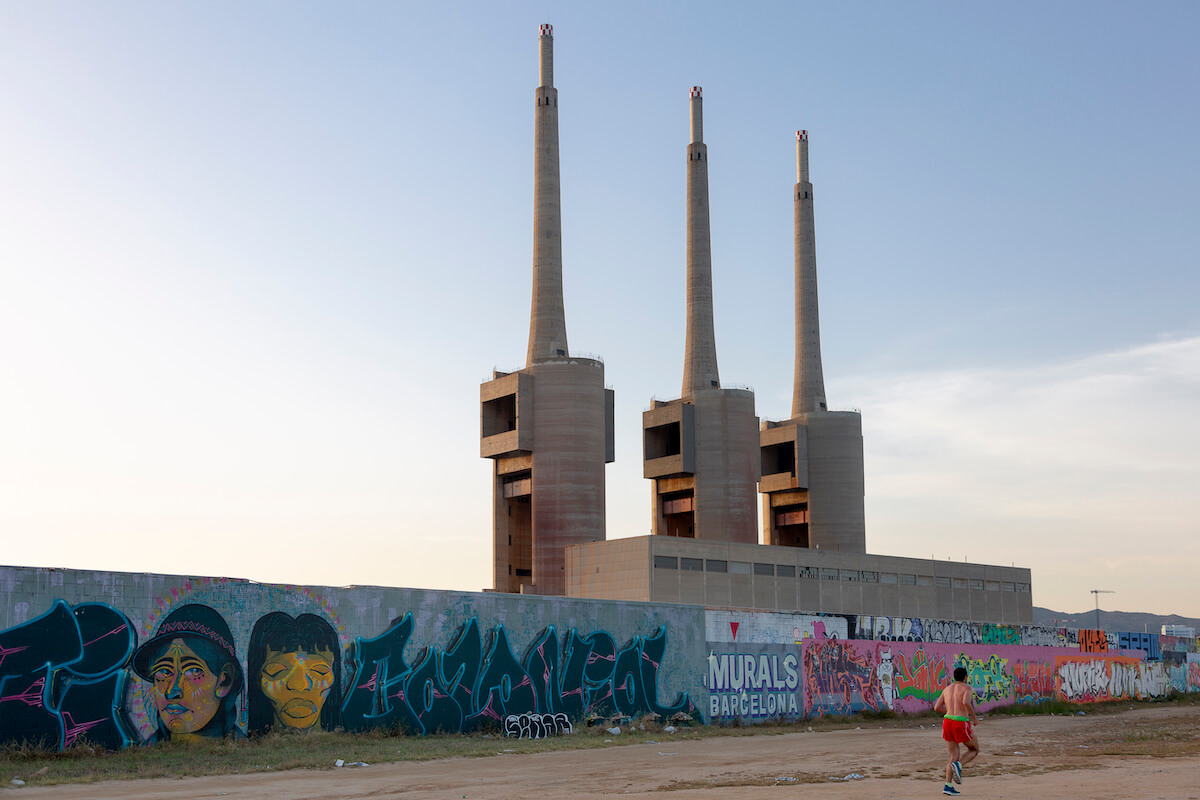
[{"x": 1111, "y": 620}]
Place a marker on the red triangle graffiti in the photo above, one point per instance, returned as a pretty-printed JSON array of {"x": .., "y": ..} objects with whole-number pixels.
[{"x": 733, "y": 626}]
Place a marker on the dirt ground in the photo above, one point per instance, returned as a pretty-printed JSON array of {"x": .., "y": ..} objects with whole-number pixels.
[{"x": 1149, "y": 752}]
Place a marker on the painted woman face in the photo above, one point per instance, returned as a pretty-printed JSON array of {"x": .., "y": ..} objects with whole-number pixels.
[
  {"x": 297, "y": 683},
  {"x": 187, "y": 693}
]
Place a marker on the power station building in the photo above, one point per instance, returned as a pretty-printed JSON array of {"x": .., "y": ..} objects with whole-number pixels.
[{"x": 549, "y": 430}]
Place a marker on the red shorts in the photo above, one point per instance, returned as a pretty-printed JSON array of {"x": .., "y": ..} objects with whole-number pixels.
[{"x": 955, "y": 730}]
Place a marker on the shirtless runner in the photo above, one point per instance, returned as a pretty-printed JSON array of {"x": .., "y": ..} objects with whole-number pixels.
[{"x": 957, "y": 703}]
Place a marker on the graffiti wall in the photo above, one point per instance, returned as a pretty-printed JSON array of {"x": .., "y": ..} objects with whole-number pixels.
[
  {"x": 752, "y": 681},
  {"x": 844, "y": 677},
  {"x": 123, "y": 659}
]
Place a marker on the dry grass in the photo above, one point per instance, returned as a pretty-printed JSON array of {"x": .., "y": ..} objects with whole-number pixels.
[
  {"x": 316, "y": 750},
  {"x": 1170, "y": 735}
]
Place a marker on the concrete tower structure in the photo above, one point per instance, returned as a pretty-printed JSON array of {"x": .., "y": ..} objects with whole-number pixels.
[
  {"x": 812, "y": 464},
  {"x": 549, "y": 427},
  {"x": 700, "y": 451}
]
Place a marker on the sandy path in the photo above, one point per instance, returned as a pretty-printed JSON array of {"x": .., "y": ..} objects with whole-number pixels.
[{"x": 1097, "y": 756}]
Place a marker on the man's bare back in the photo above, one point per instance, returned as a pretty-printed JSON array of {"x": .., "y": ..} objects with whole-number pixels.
[{"x": 957, "y": 700}]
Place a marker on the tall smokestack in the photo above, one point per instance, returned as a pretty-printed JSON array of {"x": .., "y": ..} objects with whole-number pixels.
[
  {"x": 809, "y": 390},
  {"x": 700, "y": 351},
  {"x": 547, "y": 320}
]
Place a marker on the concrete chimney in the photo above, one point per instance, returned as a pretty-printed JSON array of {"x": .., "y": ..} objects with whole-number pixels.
[
  {"x": 700, "y": 350},
  {"x": 812, "y": 464},
  {"x": 809, "y": 382},
  {"x": 547, "y": 320},
  {"x": 548, "y": 428},
  {"x": 701, "y": 451}
]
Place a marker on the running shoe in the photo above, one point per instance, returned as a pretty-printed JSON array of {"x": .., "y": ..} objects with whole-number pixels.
[
  {"x": 948, "y": 789},
  {"x": 956, "y": 771}
]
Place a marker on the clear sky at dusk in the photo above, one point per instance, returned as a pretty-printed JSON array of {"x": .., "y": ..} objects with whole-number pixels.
[{"x": 256, "y": 259}]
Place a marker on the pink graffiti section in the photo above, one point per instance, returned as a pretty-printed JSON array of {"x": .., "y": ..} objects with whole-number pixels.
[{"x": 848, "y": 676}]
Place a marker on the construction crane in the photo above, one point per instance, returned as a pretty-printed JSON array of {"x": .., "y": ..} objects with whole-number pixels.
[{"x": 1096, "y": 593}]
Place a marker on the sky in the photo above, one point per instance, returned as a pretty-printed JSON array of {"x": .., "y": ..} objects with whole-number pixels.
[{"x": 256, "y": 259}]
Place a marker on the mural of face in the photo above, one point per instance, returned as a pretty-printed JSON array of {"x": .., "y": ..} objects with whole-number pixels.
[
  {"x": 297, "y": 683},
  {"x": 187, "y": 694},
  {"x": 295, "y": 674}
]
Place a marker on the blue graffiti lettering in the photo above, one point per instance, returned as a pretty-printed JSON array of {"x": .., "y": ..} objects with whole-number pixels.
[
  {"x": 471, "y": 687},
  {"x": 62, "y": 677}
]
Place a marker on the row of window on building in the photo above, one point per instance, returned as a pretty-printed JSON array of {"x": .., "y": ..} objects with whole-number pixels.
[{"x": 831, "y": 574}]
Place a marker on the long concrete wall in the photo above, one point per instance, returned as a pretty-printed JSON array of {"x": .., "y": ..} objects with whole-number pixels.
[{"x": 120, "y": 659}]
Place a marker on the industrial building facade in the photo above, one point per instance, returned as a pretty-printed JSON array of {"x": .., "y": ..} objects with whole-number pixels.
[{"x": 663, "y": 569}]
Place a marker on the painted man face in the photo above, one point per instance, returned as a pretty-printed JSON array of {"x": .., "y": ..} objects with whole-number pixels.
[
  {"x": 187, "y": 693},
  {"x": 297, "y": 683}
]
